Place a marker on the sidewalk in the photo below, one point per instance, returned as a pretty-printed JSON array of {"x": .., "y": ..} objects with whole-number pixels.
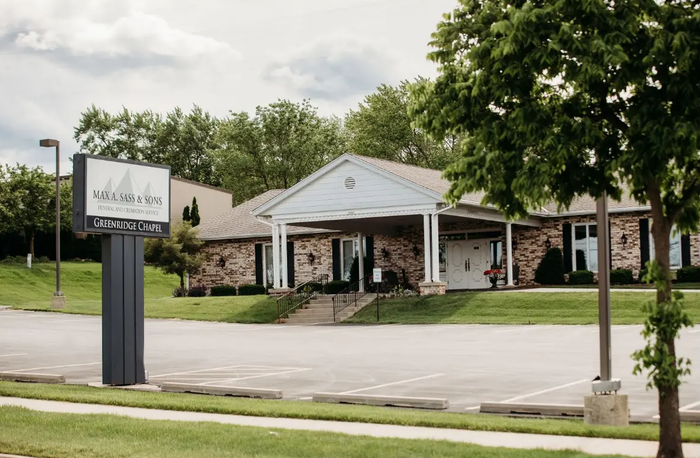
[{"x": 593, "y": 446}]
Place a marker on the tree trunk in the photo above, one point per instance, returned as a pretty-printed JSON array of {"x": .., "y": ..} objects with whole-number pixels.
[
  {"x": 182, "y": 282},
  {"x": 31, "y": 244},
  {"x": 670, "y": 441}
]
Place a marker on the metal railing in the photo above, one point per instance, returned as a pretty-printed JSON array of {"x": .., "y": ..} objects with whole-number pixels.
[
  {"x": 301, "y": 295},
  {"x": 349, "y": 296}
]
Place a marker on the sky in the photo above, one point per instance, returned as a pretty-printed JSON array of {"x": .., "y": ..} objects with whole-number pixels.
[{"x": 58, "y": 57}]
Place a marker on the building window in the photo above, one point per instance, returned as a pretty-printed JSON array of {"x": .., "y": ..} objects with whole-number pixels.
[
  {"x": 585, "y": 246},
  {"x": 674, "y": 253},
  {"x": 496, "y": 250},
  {"x": 349, "y": 250},
  {"x": 268, "y": 263}
]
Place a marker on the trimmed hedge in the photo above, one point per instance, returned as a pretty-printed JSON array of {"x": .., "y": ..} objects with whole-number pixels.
[
  {"x": 223, "y": 290},
  {"x": 336, "y": 286},
  {"x": 621, "y": 277},
  {"x": 551, "y": 268},
  {"x": 251, "y": 290},
  {"x": 688, "y": 274},
  {"x": 581, "y": 277},
  {"x": 197, "y": 291}
]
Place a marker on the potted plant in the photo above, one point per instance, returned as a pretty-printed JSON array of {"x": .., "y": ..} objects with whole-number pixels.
[{"x": 494, "y": 275}]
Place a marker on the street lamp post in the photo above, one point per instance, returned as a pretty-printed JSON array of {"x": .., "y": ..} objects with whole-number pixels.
[{"x": 58, "y": 300}]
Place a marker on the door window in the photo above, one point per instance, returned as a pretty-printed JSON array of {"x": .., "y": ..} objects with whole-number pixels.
[{"x": 268, "y": 263}]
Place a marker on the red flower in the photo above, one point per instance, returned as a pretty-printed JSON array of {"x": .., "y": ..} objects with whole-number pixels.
[{"x": 493, "y": 272}]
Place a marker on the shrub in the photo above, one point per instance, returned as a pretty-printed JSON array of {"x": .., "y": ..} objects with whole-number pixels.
[
  {"x": 180, "y": 292},
  {"x": 336, "y": 286},
  {"x": 581, "y": 277},
  {"x": 642, "y": 274},
  {"x": 251, "y": 290},
  {"x": 392, "y": 277},
  {"x": 223, "y": 290},
  {"x": 621, "y": 277},
  {"x": 15, "y": 260},
  {"x": 40, "y": 260},
  {"x": 688, "y": 274},
  {"x": 551, "y": 268},
  {"x": 314, "y": 286},
  {"x": 197, "y": 291}
]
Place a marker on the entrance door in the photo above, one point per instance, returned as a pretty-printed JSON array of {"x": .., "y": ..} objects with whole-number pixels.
[
  {"x": 466, "y": 263},
  {"x": 477, "y": 264},
  {"x": 457, "y": 265}
]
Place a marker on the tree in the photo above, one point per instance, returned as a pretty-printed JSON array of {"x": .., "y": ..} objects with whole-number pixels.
[
  {"x": 186, "y": 214},
  {"x": 382, "y": 128},
  {"x": 179, "y": 254},
  {"x": 194, "y": 214},
  {"x": 561, "y": 99},
  {"x": 28, "y": 201},
  {"x": 282, "y": 144},
  {"x": 550, "y": 271}
]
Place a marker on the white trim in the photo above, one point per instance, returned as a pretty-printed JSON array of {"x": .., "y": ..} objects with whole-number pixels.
[
  {"x": 509, "y": 253},
  {"x": 267, "y": 235},
  {"x": 426, "y": 247},
  {"x": 346, "y": 215},
  {"x": 283, "y": 260},
  {"x": 332, "y": 165},
  {"x": 592, "y": 212},
  {"x": 435, "y": 247},
  {"x": 477, "y": 212},
  {"x": 361, "y": 261}
]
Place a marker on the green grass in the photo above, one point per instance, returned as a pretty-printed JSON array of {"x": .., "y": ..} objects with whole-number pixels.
[
  {"x": 31, "y": 289},
  {"x": 318, "y": 411},
  {"x": 58, "y": 435},
  {"x": 679, "y": 286},
  {"x": 515, "y": 308}
]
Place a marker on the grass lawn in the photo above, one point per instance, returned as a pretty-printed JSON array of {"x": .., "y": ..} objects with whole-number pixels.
[
  {"x": 318, "y": 411},
  {"x": 515, "y": 308},
  {"x": 31, "y": 289},
  {"x": 55, "y": 435},
  {"x": 679, "y": 286}
]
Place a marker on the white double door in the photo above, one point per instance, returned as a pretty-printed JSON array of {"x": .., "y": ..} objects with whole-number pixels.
[{"x": 467, "y": 260}]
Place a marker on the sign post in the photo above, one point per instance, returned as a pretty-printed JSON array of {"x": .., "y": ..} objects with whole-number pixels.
[
  {"x": 124, "y": 201},
  {"x": 377, "y": 278}
]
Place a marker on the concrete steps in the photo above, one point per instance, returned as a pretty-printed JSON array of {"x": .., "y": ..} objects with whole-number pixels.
[{"x": 320, "y": 310}]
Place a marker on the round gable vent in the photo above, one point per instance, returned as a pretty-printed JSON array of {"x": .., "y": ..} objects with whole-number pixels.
[{"x": 349, "y": 183}]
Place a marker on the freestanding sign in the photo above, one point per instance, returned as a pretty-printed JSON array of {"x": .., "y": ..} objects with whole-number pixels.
[{"x": 124, "y": 201}]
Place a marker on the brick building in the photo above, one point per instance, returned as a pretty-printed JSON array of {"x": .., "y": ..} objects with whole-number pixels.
[{"x": 394, "y": 215}]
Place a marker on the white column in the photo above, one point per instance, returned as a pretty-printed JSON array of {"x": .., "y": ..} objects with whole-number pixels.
[
  {"x": 426, "y": 246},
  {"x": 361, "y": 261},
  {"x": 276, "y": 256},
  {"x": 509, "y": 253},
  {"x": 285, "y": 275},
  {"x": 435, "y": 248}
]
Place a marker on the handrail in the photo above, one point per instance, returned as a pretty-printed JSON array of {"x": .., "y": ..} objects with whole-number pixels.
[
  {"x": 299, "y": 296},
  {"x": 349, "y": 296}
]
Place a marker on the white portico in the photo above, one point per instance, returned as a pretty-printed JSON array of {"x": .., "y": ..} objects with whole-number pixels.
[{"x": 367, "y": 196}]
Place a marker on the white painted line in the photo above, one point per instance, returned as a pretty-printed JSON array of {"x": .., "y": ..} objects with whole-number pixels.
[
  {"x": 13, "y": 354},
  {"x": 307, "y": 398},
  {"x": 517, "y": 398},
  {"x": 273, "y": 374},
  {"x": 473, "y": 408},
  {"x": 55, "y": 367},
  {"x": 392, "y": 383},
  {"x": 194, "y": 372},
  {"x": 689, "y": 406}
]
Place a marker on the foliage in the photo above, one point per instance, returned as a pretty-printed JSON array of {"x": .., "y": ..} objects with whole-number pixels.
[
  {"x": 581, "y": 277},
  {"x": 336, "y": 286},
  {"x": 663, "y": 324},
  {"x": 275, "y": 148},
  {"x": 621, "y": 277},
  {"x": 355, "y": 269},
  {"x": 251, "y": 290},
  {"x": 179, "y": 254},
  {"x": 23, "y": 260},
  {"x": 550, "y": 271},
  {"x": 180, "y": 291},
  {"x": 315, "y": 287},
  {"x": 197, "y": 291},
  {"x": 382, "y": 128},
  {"x": 194, "y": 213},
  {"x": 642, "y": 275},
  {"x": 183, "y": 141},
  {"x": 392, "y": 278},
  {"x": 186, "y": 213},
  {"x": 688, "y": 274},
  {"x": 223, "y": 290},
  {"x": 399, "y": 291}
]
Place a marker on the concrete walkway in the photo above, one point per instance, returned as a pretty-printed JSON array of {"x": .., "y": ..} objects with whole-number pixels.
[{"x": 592, "y": 446}]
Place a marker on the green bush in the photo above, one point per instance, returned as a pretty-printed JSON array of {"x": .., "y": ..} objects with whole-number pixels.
[
  {"x": 23, "y": 260},
  {"x": 180, "y": 292},
  {"x": 392, "y": 278},
  {"x": 336, "y": 286},
  {"x": 621, "y": 277},
  {"x": 581, "y": 277},
  {"x": 551, "y": 268},
  {"x": 315, "y": 287},
  {"x": 642, "y": 273},
  {"x": 689, "y": 274},
  {"x": 223, "y": 290},
  {"x": 197, "y": 291},
  {"x": 251, "y": 290}
]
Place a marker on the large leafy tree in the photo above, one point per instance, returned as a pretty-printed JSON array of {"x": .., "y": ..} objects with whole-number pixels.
[
  {"x": 381, "y": 127},
  {"x": 557, "y": 99},
  {"x": 283, "y": 143},
  {"x": 180, "y": 254}
]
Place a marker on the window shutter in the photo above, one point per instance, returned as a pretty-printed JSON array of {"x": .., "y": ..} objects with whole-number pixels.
[
  {"x": 644, "y": 241},
  {"x": 568, "y": 264},
  {"x": 290, "y": 263},
  {"x": 685, "y": 250},
  {"x": 335, "y": 245},
  {"x": 369, "y": 244},
  {"x": 259, "y": 264}
]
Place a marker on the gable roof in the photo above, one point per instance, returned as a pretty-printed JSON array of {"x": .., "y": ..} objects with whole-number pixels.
[{"x": 239, "y": 223}]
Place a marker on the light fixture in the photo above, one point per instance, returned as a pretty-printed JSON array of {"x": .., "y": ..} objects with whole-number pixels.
[
  {"x": 416, "y": 251},
  {"x": 385, "y": 254},
  {"x": 623, "y": 239},
  {"x": 311, "y": 258},
  {"x": 221, "y": 262},
  {"x": 548, "y": 243}
]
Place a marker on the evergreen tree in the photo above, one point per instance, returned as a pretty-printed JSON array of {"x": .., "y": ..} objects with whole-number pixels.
[
  {"x": 194, "y": 213},
  {"x": 186, "y": 214}
]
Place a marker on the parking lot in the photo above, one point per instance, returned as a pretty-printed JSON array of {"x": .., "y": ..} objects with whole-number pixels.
[{"x": 466, "y": 364}]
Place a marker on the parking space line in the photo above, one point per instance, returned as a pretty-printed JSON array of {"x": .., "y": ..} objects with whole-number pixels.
[
  {"x": 194, "y": 372},
  {"x": 548, "y": 390},
  {"x": 272, "y": 374},
  {"x": 13, "y": 354},
  {"x": 689, "y": 406},
  {"x": 56, "y": 367},
  {"x": 393, "y": 383}
]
